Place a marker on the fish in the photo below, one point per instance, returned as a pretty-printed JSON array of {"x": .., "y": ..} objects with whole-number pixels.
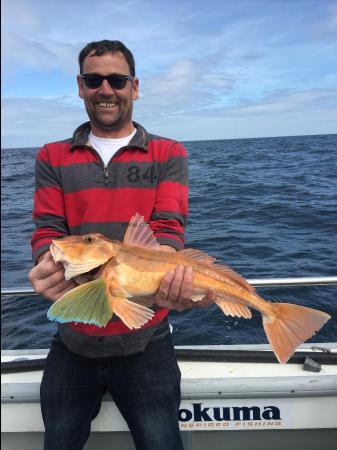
[{"x": 122, "y": 278}]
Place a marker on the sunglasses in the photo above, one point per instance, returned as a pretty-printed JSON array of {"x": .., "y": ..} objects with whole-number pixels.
[{"x": 115, "y": 80}]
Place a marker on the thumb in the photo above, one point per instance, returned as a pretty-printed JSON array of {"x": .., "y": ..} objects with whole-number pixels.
[{"x": 45, "y": 257}]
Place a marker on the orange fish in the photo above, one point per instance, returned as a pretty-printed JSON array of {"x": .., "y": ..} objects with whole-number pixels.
[{"x": 129, "y": 273}]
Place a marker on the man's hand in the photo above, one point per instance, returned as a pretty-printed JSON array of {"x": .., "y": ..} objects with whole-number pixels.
[
  {"x": 47, "y": 278},
  {"x": 176, "y": 289}
]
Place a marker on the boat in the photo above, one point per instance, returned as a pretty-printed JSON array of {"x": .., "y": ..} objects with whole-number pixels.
[{"x": 233, "y": 397}]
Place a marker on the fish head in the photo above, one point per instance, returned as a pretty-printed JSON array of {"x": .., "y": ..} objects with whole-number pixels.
[{"x": 80, "y": 254}]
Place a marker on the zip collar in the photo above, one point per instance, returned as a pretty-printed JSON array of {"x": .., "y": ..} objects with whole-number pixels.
[{"x": 81, "y": 137}]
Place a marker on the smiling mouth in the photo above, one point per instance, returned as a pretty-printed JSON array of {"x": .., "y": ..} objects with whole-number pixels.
[{"x": 107, "y": 104}]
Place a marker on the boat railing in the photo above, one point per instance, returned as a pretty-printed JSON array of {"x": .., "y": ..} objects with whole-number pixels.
[
  {"x": 236, "y": 355},
  {"x": 258, "y": 282}
]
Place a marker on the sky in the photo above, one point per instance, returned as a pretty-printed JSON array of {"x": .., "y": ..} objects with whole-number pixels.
[{"x": 208, "y": 69}]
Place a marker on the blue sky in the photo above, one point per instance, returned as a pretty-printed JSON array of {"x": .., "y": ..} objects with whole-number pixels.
[{"x": 213, "y": 69}]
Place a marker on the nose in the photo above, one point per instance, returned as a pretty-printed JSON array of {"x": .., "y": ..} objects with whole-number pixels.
[{"x": 105, "y": 88}]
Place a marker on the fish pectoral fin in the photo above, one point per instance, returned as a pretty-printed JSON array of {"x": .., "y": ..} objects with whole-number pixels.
[
  {"x": 139, "y": 234},
  {"x": 87, "y": 303},
  {"x": 231, "y": 307},
  {"x": 132, "y": 314}
]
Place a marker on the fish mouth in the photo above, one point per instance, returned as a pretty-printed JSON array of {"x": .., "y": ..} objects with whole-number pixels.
[
  {"x": 73, "y": 268},
  {"x": 56, "y": 252}
]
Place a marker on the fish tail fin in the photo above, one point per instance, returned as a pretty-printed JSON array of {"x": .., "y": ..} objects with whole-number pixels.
[
  {"x": 288, "y": 326},
  {"x": 87, "y": 303}
]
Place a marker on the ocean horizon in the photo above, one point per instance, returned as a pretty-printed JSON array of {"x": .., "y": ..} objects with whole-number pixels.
[{"x": 200, "y": 140}]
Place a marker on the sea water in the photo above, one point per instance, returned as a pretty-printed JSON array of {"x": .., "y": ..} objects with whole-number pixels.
[{"x": 266, "y": 207}]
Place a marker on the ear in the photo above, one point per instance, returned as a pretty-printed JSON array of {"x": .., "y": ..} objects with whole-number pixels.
[
  {"x": 135, "y": 89},
  {"x": 80, "y": 84}
]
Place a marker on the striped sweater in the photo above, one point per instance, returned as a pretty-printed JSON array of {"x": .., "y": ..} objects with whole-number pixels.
[{"x": 76, "y": 194}]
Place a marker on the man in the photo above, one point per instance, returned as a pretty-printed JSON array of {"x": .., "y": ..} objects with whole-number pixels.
[{"x": 95, "y": 182}]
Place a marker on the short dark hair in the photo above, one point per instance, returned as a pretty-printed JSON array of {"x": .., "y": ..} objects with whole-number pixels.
[{"x": 107, "y": 46}]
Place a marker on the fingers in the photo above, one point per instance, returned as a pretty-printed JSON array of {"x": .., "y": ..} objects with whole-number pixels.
[
  {"x": 206, "y": 301},
  {"x": 164, "y": 288},
  {"x": 47, "y": 278},
  {"x": 176, "y": 290},
  {"x": 55, "y": 292},
  {"x": 186, "y": 286},
  {"x": 44, "y": 269},
  {"x": 171, "y": 292},
  {"x": 180, "y": 289}
]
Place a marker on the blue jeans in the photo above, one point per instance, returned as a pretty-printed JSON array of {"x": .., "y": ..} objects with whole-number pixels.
[{"x": 145, "y": 387}]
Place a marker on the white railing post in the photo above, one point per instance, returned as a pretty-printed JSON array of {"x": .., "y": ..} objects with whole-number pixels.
[{"x": 258, "y": 282}]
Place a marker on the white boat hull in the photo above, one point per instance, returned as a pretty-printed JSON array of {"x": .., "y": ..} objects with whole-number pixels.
[{"x": 224, "y": 405}]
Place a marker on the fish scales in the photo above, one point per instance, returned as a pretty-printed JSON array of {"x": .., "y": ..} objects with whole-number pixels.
[
  {"x": 149, "y": 267},
  {"x": 169, "y": 261}
]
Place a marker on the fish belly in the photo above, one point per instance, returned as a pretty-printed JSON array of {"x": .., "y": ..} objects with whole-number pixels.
[{"x": 136, "y": 282}]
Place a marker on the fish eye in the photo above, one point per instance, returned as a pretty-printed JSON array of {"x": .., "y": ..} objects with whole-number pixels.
[{"x": 89, "y": 238}]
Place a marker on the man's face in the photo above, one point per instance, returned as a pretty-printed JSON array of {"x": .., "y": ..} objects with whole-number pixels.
[{"x": 109, "y": 110}]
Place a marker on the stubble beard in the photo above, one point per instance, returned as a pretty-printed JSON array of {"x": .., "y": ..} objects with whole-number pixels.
[{"x": 116, "y": 123}]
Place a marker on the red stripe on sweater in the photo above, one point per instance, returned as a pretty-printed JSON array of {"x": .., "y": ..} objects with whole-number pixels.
[
  {"x": 49, "y": 200},
  {"x": 157, "y": 152},
  {"x": 53, "y": 154},
  {"x": 117, "y": 327},
  {"x": 172, "y": 196},
  {"x": 58, "y": 154},
  {"x": 104, "y": 205},
  {"x": 50, "y": 235}
]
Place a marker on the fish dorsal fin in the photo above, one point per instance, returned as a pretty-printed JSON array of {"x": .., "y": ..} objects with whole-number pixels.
[
  {"x": 237, "y": 278},
  {"x": 198, "y": 255},
  {"x": 139, "y": 234},
  {"x": 204, "y": 258}
]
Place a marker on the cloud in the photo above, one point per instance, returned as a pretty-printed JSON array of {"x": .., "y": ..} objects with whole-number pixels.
[
  {"x": 202, "y": 65},
  {"x": 187, "y": 84},
  {"x": 21, "y": 18},
  {"x": 328, "y": 26},
  {"x": 314, "y": 100},
  {"x": 46, "y": 35},
  {"x": 282, "y": 113},
  {"x": 49, "y": 55},
  {"x": 170, "y": 30},
  {"x": 30, "y": 122}
]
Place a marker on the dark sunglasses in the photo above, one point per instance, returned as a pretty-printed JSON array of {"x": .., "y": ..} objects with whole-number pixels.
[{"x": 115, "y": 80}]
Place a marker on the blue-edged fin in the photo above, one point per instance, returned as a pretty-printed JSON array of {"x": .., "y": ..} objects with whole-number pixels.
[{"x": 87, "y": 303}]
